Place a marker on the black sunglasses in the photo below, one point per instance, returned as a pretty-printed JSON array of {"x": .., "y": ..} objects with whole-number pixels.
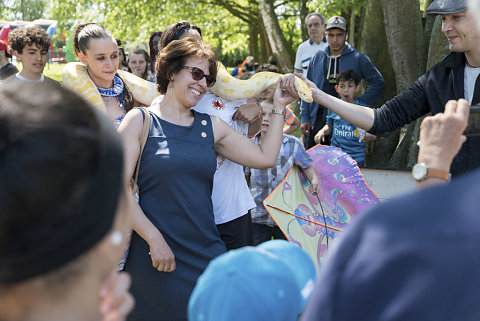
[{"x": 198, "y": 74}]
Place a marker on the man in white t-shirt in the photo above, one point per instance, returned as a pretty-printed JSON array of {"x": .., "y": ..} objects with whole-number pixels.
[{"x": 316, "y": 32}]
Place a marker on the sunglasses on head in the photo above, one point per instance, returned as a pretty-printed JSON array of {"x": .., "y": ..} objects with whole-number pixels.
[{"x": 198, "y": 74}]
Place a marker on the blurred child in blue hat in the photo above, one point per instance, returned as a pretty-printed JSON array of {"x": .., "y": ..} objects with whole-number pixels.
[{"x": 270, "y": 282}]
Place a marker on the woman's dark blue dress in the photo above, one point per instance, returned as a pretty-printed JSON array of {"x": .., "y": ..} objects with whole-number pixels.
[{"x": 175, "y": 185}]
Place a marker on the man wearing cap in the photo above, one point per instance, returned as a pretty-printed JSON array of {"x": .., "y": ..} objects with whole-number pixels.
[
  {"x": 453, "y": 78},
  {"x": 323, "y": 70},
  {"x": 317, "y": 41},
  {"x": 7, "y": 69}
]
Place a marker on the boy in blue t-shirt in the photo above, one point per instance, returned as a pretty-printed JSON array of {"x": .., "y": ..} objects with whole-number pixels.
[{"x": 346, "y": 136}]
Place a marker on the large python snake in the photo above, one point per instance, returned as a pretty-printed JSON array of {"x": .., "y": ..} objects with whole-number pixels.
[
  {"x": 76, "y": 78},
  {"x": 230, "y": 87}
]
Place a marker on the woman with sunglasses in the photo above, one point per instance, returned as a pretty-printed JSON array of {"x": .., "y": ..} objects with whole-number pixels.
[
  {"x": 174, "y": 227},
  {"x": 230, "y": 196}
]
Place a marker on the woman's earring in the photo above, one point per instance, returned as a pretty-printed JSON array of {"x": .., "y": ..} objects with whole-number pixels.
[{"x": 116, "y": 238}]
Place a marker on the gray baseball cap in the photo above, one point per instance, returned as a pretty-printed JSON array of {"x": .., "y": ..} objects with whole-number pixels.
[
  {"x": 336, "y": 22},
  {"x": 447, "y": 6}
]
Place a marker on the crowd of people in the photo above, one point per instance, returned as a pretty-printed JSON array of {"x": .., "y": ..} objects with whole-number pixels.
[{"x": 67, "y": 213}]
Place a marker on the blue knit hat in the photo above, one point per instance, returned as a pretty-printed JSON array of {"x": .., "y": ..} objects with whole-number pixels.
[
  {"x": 298, "y": 261},
  {"x": 251, "y": 284}
]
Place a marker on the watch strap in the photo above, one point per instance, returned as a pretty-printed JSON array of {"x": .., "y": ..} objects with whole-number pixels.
[
  {"x": 438, "y": 173},
  {"x": 421, "y": 171}
]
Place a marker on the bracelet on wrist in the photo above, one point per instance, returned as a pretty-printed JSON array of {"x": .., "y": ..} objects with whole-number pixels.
[{"x": 278, "y": 112}]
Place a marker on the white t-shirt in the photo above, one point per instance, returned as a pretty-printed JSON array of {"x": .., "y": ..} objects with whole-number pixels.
[
  {"x": 305, "y": 52},
  {"x": 42, "y": 78},
  {"x": 231, "y": 196},
  {"x": 470, "y": 77}
]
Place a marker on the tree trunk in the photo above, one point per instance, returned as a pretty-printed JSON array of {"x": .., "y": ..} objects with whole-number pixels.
[
  {"x": 361, "y": 21},
  {"x": 253, "y": 40},
  {"x": 405, "y": 40},
  {"x": 374, "y": 45},
  {"x": 352, "y": 29},
  {"x": 281, "y": 52},
  {"x": 302, "y": 4},
  {"x": 429, "y": 21},
  {"x": 264, "y": 47},
  {"x": 406, "y": 45}
]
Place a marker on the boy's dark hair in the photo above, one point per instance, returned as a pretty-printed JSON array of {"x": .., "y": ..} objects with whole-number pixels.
[
  {"x": 238, "y": 62},
  {"x": 28, "y": 35},
  {"x": 268, "y": 67},
  {"x": 264, "y": 67},
  {"x": 244, "y": 76},
  {"x": 348, "y": 75}
]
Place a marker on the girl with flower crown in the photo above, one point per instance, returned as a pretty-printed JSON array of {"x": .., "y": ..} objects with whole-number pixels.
[{"x": 97, "y": 49}]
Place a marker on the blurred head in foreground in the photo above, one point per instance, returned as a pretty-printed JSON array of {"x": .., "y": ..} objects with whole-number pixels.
[{"x": 63, "y": 207}]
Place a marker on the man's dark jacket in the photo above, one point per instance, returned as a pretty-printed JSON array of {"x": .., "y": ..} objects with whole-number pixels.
[{"x": 430, "y": 93}]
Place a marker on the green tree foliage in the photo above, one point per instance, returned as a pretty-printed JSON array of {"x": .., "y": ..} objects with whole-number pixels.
[
  {"x": 28, "y": 10},
  {"x": 336, "y": 7},
  {"x": 234, "y": 27},
  {"x": 135, "y": 21}
]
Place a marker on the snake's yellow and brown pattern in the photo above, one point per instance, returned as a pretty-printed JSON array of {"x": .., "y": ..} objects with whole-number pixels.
[
  {"x": 233, "y": 88},
  {"x": 76, "y": 78}
]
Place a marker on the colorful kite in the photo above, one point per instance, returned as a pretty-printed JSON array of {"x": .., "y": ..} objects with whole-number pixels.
[{"x": 313, "y": 222}]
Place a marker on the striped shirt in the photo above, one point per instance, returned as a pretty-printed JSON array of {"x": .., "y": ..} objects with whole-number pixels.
[
  {"x": 264, "y": 181},
  {"x": 289, "y": 116}
]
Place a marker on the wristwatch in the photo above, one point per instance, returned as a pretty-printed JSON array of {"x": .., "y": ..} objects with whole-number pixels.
[
  {"x": 421, "y": 171},
  {"x": 278, "y": 112}
]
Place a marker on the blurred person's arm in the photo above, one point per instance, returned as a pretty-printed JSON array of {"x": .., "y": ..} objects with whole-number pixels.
[
  {"x": 248, "y": 112},
  {"x": 116, "y": 301},
  {"x": 441, "y": 137}
]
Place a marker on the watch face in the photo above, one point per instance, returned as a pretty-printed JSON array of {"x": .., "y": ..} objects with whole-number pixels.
[{"x": 419, "y": 171}]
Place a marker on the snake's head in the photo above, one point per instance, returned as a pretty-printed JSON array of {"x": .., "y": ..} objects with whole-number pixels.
[{"x": 304, "y": 92}]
